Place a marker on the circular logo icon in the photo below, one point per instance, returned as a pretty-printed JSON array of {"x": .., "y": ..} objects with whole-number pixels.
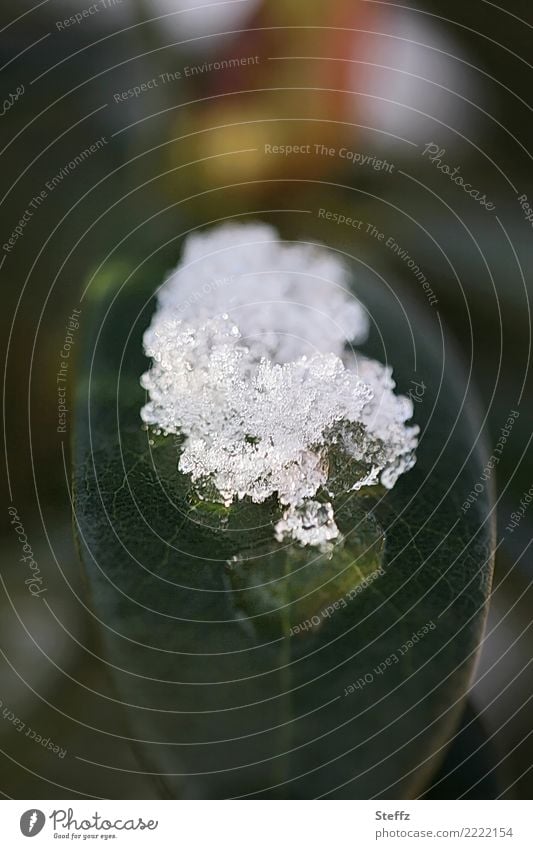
[{"x": 32, "y": 822}]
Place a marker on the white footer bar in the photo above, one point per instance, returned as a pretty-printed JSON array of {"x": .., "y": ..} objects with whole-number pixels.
[{"x": 267, "y": 824}]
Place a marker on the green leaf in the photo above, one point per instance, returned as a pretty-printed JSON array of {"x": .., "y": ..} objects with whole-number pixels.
[{"x": 253, "y": 668}]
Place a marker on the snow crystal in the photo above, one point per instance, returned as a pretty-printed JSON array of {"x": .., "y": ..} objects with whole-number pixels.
[
  {"x": 309, "y": 523},
  {"x": 250, "y": 365},
  {"x": 288, "y": 300}
]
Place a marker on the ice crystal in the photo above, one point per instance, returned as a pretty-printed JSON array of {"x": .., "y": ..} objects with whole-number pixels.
[
  {"x": 288, "y": 300},
  {"x": 309, "y": 523},
  {"x": 249, "y": 364}
]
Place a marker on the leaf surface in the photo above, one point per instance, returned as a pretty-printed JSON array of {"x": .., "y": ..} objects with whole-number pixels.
[{"x": 253, "y": 668}]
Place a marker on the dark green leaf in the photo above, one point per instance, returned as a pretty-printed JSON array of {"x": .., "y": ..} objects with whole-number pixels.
[{"x": 251, "y": 668}]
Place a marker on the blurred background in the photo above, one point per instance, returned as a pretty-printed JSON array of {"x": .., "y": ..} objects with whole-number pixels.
[{"x": 125, "y": 122}]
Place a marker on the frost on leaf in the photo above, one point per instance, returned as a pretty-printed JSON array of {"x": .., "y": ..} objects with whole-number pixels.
[
  {"x": 250, "y": 363},
  {"x": 309, "y": 523}
]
